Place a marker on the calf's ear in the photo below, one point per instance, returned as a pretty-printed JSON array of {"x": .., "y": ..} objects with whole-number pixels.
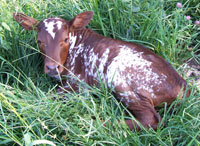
[
  {"x": 26, "y": 22},
  {"x": 81, "y": 20}
]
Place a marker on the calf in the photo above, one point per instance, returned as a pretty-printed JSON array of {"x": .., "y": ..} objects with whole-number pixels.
[{"x": 140, "y": 79}]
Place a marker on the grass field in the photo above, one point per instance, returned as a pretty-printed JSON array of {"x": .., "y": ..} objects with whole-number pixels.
[{"x": 32, "y": 113}]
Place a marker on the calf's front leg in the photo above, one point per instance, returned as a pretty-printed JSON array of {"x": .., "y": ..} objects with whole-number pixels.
[{"x": 68, "y": 87}]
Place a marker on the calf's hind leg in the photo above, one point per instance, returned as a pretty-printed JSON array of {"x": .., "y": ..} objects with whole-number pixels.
[
  {"x": 145, "y": 114},
  {"x": 143, "y": 111}
]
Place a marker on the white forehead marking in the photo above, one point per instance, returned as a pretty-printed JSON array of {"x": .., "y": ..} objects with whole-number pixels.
[
  {"x": 50, "y": 26},
  {"x": 59, "y": 24}
]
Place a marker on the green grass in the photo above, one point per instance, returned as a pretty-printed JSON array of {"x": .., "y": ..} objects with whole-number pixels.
[{"x": 32, "y": 113}]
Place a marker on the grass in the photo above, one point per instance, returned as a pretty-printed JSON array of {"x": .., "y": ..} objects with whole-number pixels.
[{"x": 32, "y": 113}]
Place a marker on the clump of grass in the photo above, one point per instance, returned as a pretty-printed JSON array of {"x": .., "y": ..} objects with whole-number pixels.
[{"x": 32, "y": 113}]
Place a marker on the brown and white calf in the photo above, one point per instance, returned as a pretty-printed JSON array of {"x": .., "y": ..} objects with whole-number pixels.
[{"x": 140, "y": 79}]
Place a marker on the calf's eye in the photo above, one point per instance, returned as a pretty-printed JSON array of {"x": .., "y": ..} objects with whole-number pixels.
[{"x": 66, "y": 40}]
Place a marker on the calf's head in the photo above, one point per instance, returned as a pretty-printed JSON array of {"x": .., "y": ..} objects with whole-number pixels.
[{"x": 53, "y": 36}]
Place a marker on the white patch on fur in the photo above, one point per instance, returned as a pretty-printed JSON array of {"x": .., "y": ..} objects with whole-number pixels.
[
  {"x": 90, "y": 63},
  {"x": 86, "y": 59},
  {"x": 72, "y": 41},
  {"x": 102, "y": 64},
  {"x": 50, "y": 26},
  {"x": 130, "y": 68},
  {"x": 76, "y": 51}
]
